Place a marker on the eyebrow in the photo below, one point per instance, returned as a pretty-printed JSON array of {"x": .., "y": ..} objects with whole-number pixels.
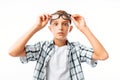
[{"x": 58, "y": 21}]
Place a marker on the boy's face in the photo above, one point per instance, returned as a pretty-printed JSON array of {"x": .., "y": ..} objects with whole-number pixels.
[{"x": 60, "y": 28}]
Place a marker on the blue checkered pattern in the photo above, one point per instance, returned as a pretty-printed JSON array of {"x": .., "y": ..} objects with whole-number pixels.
[{"x": 43, "y": 51}]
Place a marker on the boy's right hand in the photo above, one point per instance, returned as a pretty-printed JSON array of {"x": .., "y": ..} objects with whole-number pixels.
[{"x": 42, "y": 21}]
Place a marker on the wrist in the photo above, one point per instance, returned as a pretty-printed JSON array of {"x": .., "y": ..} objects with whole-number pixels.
[
  {"x": 84, "y": 29},
  {"x": 36, "y": 28}
]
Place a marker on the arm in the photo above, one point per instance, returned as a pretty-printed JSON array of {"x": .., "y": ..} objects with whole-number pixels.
[
  {"x": 99, "y": 51},
  {"x": 18, "y": 49}
]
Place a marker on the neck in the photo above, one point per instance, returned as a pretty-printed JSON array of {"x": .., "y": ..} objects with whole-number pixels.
[{"x": 59, "y": 42}]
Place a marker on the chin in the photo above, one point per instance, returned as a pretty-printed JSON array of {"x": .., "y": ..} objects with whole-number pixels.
[{"x": 61, "y": 38}]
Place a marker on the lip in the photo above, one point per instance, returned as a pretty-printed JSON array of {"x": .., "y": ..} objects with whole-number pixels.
[{"x": 60, "y": 33}]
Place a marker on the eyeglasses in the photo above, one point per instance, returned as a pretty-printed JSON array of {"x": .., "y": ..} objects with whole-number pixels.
[{"x": 64, "y": 16}]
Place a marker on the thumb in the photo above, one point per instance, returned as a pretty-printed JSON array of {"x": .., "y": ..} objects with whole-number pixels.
[{"x": 72, "y": 17}]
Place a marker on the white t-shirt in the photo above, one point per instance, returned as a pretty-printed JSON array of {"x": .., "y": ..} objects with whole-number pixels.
[{"x": 58, "y": 65}]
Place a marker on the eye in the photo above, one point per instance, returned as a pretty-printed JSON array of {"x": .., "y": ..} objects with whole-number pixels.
[
  {"x": 65, "y": 24},
  {"x": 55, "y": 24}
]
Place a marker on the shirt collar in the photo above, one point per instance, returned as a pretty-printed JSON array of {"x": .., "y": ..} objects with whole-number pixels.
[{"x": 52, "y": 42}]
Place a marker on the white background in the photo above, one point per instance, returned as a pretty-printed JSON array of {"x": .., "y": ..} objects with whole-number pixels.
[{"x": 102, "y": 17}]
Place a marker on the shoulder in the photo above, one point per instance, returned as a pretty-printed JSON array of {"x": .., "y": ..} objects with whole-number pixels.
[
  {"x": 78, "y": 45},
  {"x": 45, "y": 43},
  {"x": 75, "y": 43}
]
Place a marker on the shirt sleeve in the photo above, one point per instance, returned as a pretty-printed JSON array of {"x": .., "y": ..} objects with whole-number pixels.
[
  {"x": 32, "y": 53},
  {"x": 86, "y": 55}
]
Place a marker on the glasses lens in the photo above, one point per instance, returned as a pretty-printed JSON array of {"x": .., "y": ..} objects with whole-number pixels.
[
  {"x": 66, "y": 16},
  {"x": 55, "y": 16}
]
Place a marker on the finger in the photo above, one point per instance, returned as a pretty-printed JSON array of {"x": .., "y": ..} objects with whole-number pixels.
[
  {"x": 43, "y": 17},
  {"x": 76, "y": 16},
  {"x": 73, "y": 18},
  {"x": 47, "y": 16},
  {"x": 40, "y": 18}
]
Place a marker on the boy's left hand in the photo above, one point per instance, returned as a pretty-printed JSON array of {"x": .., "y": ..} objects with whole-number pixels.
[{"x": 79, "y": 21}]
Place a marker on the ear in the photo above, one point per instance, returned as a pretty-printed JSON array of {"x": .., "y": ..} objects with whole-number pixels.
[{"x": 71, "y": 27}]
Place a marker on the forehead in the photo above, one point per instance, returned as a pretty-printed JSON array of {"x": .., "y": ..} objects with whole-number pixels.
[{"x": 60, "y": 20}]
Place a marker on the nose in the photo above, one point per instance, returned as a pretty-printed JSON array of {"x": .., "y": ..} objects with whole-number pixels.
[{"x": 60, "y": 27}]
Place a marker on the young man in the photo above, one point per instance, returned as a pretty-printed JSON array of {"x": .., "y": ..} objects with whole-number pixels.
[{"x": 59, "y": 59}]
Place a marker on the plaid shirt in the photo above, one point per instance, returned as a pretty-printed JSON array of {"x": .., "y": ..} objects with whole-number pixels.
[{"x": 43, "y": 51}]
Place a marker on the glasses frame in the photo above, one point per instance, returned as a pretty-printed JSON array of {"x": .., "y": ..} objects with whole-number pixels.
[{"x": 68, "y": 16}]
